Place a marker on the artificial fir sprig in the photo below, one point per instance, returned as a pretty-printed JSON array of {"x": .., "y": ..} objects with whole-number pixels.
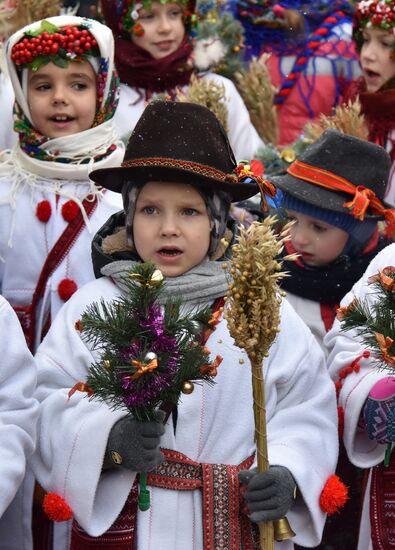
[
  {"x": 374, "y": 320},
  {"x": 147, "y": 351}
]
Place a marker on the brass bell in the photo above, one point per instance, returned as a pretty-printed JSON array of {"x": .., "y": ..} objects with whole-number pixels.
[{"x": 282, "y": 530}]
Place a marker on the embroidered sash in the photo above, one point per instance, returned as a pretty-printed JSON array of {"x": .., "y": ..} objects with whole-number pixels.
[
  {"x": 225, "y": 527},
  {"x": 382, "y": 506}
]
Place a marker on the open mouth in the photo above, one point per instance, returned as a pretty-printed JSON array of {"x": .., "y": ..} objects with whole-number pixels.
[
  {"x": 170, "y": 252},
  {"x": 371, "y": 74},
  {"x": 62, "y": 119}
]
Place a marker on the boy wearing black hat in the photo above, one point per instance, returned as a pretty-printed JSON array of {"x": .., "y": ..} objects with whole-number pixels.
[
  {"x": 334, "y": 194},
  {"x": 178, "y": 179}
]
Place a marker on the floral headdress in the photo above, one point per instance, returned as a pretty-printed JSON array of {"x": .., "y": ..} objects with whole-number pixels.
[
  {"x": 374, "y": 13},
  {"x": 129, "y": 14}
]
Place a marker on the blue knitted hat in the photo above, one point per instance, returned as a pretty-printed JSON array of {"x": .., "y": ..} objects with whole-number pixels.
[{"x": 360, "y": 231}]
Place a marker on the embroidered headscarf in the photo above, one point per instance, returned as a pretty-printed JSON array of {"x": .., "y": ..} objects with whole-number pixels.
[
  {"x": 137, "y": 68},
  {"x": 70, "y": 156},
  {"x": 40, "y": 162}
]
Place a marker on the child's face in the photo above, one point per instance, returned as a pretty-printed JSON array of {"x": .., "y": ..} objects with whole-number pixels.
[
  {"x": 317, "y": 242},
  {"x": 62, "y": 101},
  {"x": 377, "y": 65},
  {"x": 163, "y": 28},
  {"x": 171, "y": 227}
]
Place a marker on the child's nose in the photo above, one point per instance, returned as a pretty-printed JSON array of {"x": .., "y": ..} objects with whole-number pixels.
[
  {"x": 368, "y": 51},
  {"x": 169, "y": 226},
  {"x": 299, "y": 237},
  {"x": 59, "y": 96},
  {"x": 164, "y": 24}
]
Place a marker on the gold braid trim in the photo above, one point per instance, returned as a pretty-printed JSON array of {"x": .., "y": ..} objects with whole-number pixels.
[{"x": 200, "y": 169}]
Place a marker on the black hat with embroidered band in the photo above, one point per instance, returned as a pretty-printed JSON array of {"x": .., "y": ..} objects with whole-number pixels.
[
  {"x": 342, "y": 175},
  {"x": 181, "y": 142}
]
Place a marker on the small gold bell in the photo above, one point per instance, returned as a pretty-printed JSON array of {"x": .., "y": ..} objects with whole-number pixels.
[
  {"x": 288, "y": 155},
  {"x": 187, "y": 387},
  {"x": 282, "y": 530}
]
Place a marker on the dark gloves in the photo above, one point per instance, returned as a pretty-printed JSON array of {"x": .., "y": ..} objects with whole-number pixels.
[
  {"x": 135, "y": 445},
  {"x": 269, "y": 495}
]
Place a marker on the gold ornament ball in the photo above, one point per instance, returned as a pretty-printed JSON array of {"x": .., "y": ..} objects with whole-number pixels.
[
  {"x": 156, "y": 278},
  {"x": 187, "y": 388}
]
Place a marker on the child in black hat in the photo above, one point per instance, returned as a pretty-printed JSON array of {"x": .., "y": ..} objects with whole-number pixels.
[
  {"x": 334, "y": 194},
  {"x": 178, "y": 179}
]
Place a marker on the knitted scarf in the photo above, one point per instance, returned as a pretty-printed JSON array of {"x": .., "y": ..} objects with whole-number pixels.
[
  {"x": 378, "y": 108},
  {"x": 138, "y": 69},
  {"x": 202, "y": 284},
  {"x": 330, "y": 283}
]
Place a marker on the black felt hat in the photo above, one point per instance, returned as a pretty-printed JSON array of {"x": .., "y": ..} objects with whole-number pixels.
[
  {"x": 337, "y": 156},
  {"x": 178, "y": 142}
]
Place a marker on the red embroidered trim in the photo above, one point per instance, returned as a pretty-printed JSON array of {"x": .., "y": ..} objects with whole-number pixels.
[
  {"x": 225, "y": 527},
  {"x": 200, "y": 169},
  {"x": 354, "y": 367},
  {"x": 221, "y": 497},
  {"x": 121, "y": 534},
  {"x": 382, "y": 506}
]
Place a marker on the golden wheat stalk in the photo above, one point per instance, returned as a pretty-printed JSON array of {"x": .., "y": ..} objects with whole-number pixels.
[
  {"x": 208, "y": 93},
  {"x": 256, "y": 88},
  {"x": 347, "y": 119},
  {"x": 253, "y": 315}
]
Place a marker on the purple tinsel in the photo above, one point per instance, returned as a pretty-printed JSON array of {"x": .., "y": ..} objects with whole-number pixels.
[{"x": 141, "y": 391}]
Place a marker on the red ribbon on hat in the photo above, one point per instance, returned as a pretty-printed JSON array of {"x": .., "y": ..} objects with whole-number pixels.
[
  {"x": 363, "y": 197},
  {"x": 255, "y": 170}
]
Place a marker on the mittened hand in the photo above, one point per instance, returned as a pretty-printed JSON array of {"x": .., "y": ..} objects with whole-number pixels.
[
  {"x": 379, "y": 411},
  {"x": 135, "y": 445},
  {"x": 269, "y": 495}
]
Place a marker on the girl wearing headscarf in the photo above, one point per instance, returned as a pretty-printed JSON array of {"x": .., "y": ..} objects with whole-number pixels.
[
  {"x": 154, "y": 55},
  {"x": 66, "y": 91}
]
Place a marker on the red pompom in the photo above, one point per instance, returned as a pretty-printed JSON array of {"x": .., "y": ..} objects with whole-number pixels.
[
  {"x": 43, "y": 211},
  {"x": 66, "y": 288},
  {"x": 56, "y": 507},
  {"x": 334, "y": 495},
  {"x": 70, "y": 210}
]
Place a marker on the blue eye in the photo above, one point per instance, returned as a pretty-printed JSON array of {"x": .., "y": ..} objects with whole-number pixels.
[{"x": 149, "y": 209}]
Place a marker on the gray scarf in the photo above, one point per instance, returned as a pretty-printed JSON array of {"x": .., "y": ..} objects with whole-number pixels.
[{"x": 202, "y": 284}]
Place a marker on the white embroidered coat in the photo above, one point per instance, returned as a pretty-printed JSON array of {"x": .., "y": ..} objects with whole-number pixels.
[
  {"x": 32, "y": 239},
  {"x": 18, "y": 408},
  {"x": 215, "y": 425},
  {"x": 242, "y": 134},
  {"x": 343, "y": 348}
]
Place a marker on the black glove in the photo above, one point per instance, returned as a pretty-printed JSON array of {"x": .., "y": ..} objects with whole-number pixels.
[
  {"x": 270, "y": 494},
  {"x": 135, "y": 445}
]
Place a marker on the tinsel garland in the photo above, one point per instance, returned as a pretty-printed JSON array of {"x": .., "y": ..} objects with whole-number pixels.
[{"x": 148, "y": 352}]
